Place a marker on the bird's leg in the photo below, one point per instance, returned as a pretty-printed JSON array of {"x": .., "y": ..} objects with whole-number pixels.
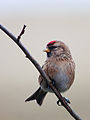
[{"x": 66, "y": 100}]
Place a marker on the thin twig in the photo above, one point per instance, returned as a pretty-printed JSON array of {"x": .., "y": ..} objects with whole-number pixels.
[
  {"x": 22, "y": 32},
  {"x": 39, "y": 68}
]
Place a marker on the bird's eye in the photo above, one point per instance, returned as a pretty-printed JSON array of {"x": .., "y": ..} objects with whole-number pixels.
[{"x": 52, "y": 47}]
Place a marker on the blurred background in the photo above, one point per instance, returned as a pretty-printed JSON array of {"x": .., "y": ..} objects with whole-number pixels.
[{"x": 46, "y": 20}]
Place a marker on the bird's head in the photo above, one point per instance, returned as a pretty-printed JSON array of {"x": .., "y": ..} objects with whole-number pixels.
[{"x": 56, "y": 48}]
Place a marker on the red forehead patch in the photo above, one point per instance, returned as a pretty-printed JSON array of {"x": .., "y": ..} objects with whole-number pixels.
[{"x": 51, "y": 42}]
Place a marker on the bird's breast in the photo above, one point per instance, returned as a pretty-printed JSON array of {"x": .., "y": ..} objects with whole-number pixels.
[{"x": 61, "y": 74}]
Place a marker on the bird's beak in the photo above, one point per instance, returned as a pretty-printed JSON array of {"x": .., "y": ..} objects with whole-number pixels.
[{"x": 47, "y": 50}]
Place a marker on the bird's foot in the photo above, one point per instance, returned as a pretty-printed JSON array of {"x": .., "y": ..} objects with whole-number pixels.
[
  {"x": 53, "y": 82},
  {"x": 66, "y": 100}
]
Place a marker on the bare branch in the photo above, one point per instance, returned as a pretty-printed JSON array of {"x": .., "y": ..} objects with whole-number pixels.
[{"x": 59, "y": 96}]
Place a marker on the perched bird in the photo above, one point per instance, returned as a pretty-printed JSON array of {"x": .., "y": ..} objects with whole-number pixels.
[{"x": 59, "y": 67}]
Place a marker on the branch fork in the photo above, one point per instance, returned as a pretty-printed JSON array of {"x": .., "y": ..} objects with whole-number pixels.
[{"x": 21, "y": 33}]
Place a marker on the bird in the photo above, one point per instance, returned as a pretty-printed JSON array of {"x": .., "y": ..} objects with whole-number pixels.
[{"x": 59, "y": 67}]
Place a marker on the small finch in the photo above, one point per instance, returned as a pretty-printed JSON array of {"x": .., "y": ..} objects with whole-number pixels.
[{"x": 59, "y": 67}]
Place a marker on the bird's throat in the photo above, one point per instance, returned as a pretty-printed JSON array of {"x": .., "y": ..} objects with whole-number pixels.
[{"x": 49, "y": 54}]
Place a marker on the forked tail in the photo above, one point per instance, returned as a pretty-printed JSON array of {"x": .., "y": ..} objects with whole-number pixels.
[{"x": 39, "y": 96}]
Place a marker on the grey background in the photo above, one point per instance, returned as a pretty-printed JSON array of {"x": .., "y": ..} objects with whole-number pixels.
[{"x": 68, "y": 21}]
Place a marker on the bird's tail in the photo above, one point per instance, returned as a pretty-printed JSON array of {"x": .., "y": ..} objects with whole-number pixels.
[{"x": 38, "y": 96}]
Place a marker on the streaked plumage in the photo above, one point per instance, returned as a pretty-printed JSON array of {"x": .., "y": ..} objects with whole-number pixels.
[{"x": 59, "y": 67}]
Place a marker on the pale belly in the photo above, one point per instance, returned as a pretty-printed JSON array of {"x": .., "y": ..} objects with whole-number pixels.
[{"x": 61, "y": 82}]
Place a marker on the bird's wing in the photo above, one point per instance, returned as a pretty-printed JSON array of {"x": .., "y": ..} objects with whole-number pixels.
[{"x": 50, "y": 69}]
